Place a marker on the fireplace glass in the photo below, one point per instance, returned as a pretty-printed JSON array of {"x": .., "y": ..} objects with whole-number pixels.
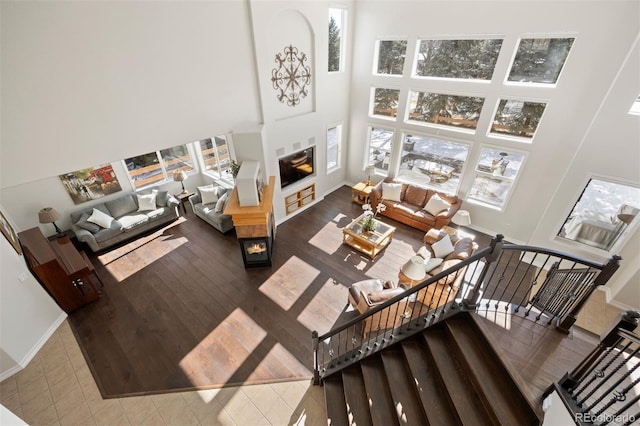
[{"x": 256, "y": 252}]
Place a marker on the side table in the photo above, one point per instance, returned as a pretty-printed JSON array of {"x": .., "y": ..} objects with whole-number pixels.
[
  {"x": 360, "y": 192},
  {"x": 183, "y": 197}
]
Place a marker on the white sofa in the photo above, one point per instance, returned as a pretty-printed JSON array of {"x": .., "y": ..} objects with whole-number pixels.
[{"x": 128, "y": 221}]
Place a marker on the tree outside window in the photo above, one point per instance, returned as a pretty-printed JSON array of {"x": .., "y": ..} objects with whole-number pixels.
[
  {"x": 380, "y": 145},
  {"x": 432, "y": 162},
  {"x": 463, "y": 59},
  {"x": 540, "y": 60},
  {"x": 336, "y": 25},
  {"x": 496, "y": 172},
  {"x": 602, "y": 214},
  {"x": 385, "y": 102},
  {"x": 517, "y": 118},
  {"x": 447, "y": 110},
  {"x": 391, "y": 54}
]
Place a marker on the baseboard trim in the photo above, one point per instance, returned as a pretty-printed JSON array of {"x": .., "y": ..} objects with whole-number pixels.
[{"x": 34, "y": 350}]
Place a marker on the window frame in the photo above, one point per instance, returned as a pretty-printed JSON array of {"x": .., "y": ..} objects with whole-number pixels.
[
  {"x": 376, "y": 56},
  {"x": 514, "y": 181},
  {"x": 165, "y": 172},
  {"x": 622, "y": 239},
  {"x": 372, "y": 104},
  {"x": 201, "y": 159},
  {"x": 339, "y": 126},
  {"x": 507, "y": 137},
  {"x": 343, "y": 26},
  {"x": 379, "y": 171},
  {"x": 427, "y": 124}
]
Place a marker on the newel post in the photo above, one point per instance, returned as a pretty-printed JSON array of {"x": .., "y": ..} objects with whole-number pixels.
[
  {"x": 626, "y": 321},
  {"x": 469, "y": 303},
  {"x": 603, "y": 277}
]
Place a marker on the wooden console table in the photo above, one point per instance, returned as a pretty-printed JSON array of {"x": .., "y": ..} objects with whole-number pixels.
[{"x": 62, "y": 270}]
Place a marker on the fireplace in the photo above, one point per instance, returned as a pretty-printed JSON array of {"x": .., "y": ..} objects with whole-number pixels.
[{"x": 256, "y": 251}]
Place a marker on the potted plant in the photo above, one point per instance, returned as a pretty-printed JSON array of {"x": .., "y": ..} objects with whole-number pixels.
[{"x": 368, "y": 223}]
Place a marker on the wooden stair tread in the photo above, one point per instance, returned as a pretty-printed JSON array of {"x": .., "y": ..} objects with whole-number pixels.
[
  {"x": 378, "y": 393},
  {"x": 402, "y": 388},
  {"x": 493, "y": 383},
  {"x": 355, "y": 396},
  {"x": 466, "y": 401},
  {"x": 427, "y": 383},
  {"x": 334, "y": 401}
]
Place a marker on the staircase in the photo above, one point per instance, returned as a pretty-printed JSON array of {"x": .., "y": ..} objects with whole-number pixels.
[{"x": 449, "y": 374}]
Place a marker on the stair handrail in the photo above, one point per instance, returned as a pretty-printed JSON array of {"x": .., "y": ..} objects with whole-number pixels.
[
  {"x": 468, "y": 301},
  {"x": 599, "y": 373}
]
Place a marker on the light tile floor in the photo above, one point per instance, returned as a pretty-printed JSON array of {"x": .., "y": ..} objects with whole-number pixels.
[{"x": 57, "y": 388}]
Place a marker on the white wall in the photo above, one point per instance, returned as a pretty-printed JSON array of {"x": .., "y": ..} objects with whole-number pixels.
[
  {"x": 88, "y": 83},
  {"x": 28, "y": 316},
  {"x": 578, "y": 135}
]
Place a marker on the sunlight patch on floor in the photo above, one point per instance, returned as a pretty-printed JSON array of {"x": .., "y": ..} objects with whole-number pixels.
[
  {"x": 329, "y": 238},
  {"x": 316, "y": 315},
  {"x": 196, "y": 364},
  {"x": 289, "y": 282}
]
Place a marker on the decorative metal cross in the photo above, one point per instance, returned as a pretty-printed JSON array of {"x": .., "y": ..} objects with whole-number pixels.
[{"x": 291, "y": 77}]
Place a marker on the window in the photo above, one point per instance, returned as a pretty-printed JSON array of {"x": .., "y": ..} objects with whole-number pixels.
[
  {"x": 385, "y": 102},
  {"x": 391, "y": 54},
  {"x": 540, "y": 60},
  {"x": 380, "y": 144},
  {"x": 334, "y": 143},
  {"x": 496, "y": 172},
  {"x": 464, "y": 59},
  {"x": 517, "y": 118},
  {"x": 158, "y": 166},
  {"x": 432, "y": 162},
  {"x": 602, "y": 214},
  {"x": 447, "y": 110},
  {"x": 337, "y": 20},
  {"x": 216, "y": 157}
]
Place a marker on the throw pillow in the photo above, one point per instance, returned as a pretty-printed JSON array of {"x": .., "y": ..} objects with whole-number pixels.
[
  {"x": 436, "y": 205},
  {"x": 442, "y": 248},
  {"x": 220, "y": 203},
  {"x": 101, "y": 219},
  {"x": 208, "y": 194},
  {"x": 161, "y": 198},
  {"x": 424, "y": 253},
  {"x": 391, "y": 191},
  {"x": 431, "y": 264},
  {"x": 82, "y": 223},
  {"x": 146, "y": 202}
]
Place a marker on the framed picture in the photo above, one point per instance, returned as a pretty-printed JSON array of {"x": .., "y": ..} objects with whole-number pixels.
[
  {"x": 89, "y": 184},
  {"x": 9, "y": 233}
]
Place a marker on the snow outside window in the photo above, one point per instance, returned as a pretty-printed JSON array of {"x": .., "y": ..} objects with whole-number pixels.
[
  {"x": 380, "y": 146},
  {"x": 496, "y": 172}
]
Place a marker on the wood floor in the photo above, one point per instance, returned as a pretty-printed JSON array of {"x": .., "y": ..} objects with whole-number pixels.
[{"x": 180, "y": 311}]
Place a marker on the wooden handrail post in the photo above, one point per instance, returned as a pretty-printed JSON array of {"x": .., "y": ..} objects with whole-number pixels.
[
  {"x": 627, "y": 321},
  {"x": 603, "y": 277},
  {"x": 315, "y": 345},
  {"x": 469, "y": 303}
]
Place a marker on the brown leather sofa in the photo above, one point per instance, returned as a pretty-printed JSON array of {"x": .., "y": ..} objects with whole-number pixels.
[{"x": 410, "y": 210}]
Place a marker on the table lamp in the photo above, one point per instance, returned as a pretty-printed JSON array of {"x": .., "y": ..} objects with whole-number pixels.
[
  {"x": 413, "y": 270},
  {"x": 370, "y": 169},
  {"x": 461, "y": 218},
  {"x": 181, "y": 176},
  {"x": 50, "y": 215}
]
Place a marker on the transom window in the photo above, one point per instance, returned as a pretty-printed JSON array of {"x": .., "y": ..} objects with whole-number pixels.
[
  {"x": 464, "y": 59},
  {"x": 158, "y": 166},
  {"x": 380, "y": 146},
  {"x": 390, "y": 56},
  {"x": 602, "y": 214},
  {"x": 432, "y": 162},
  {"x": 517, "y": 118},
  {"x": 496, "y": 172},
  {"x": 540, "y": 60},
  {"x": 447, "y": 110}
]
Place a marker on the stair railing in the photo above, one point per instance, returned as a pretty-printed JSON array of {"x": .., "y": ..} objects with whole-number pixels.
[
  {"x": 501, "y": 276},
  {"x": 602, "y": 389}
]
